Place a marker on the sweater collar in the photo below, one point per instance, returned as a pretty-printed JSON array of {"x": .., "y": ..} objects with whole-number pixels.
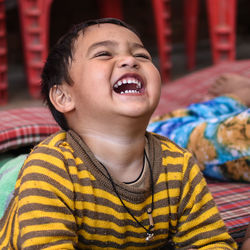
[{"x": 82, "y": 151}]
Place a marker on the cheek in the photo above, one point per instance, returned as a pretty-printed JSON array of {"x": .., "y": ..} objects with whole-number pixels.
[
  {"x": 155, "y": 86},
  {"x": 157, "y": 75},
  {"x": 99, "y": 70},
  {"x": 155, "y": 78},
  {"x": 91, "y": 80}
]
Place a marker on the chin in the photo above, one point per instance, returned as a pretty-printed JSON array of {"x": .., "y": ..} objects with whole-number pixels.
[
  {"x": 140, "y": 114},
  {"x": 136, "y": 110}
]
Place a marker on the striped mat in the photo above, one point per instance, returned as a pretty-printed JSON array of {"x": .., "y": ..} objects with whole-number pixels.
[
  {"x": 192, "y": 87},
  {"x": 233, "y": 201}
]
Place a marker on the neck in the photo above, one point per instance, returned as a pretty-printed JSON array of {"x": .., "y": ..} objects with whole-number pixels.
[{"x": 120, "y": 149}]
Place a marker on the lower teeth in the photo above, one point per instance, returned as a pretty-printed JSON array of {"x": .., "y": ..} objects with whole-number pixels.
[{"x": 129, "y": 91}]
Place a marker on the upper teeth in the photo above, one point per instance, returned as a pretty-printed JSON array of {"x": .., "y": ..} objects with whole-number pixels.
[{"x": 128, "y": 81}]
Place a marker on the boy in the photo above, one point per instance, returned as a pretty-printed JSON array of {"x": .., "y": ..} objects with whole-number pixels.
[{"x": 103, "y": 181}]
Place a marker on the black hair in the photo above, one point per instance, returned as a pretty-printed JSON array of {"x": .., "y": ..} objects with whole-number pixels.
[{"x": 55, "y": 70}]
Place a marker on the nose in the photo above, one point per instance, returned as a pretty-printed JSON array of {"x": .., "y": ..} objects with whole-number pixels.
[{"x": 128, "y": 61}]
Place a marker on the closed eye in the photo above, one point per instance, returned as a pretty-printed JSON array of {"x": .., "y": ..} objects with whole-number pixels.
[
  {"x": 143, "y": 55},
  {"x": 104, "y": 54}
]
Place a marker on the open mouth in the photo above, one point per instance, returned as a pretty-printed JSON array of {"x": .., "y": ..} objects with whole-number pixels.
[{"x": 128, "y": 85}]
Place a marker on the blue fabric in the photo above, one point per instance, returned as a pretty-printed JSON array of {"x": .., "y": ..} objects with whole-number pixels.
[{"x": 224, "y": 124}]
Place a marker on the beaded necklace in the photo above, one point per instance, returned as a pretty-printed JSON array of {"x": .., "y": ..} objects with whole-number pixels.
[{"x": 149, "y": 230}]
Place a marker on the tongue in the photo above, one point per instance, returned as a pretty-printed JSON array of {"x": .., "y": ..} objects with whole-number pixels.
[{"x": 124, "y": 87}]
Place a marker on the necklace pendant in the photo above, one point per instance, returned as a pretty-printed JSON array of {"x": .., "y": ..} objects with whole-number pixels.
[{"x": 150, "y": 236}]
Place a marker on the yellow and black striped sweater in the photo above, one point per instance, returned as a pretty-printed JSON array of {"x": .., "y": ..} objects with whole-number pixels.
[{"x": 64, "y": 200}]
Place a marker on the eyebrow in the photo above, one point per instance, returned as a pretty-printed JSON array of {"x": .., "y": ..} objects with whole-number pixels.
[{"x": 111, "y": 43}]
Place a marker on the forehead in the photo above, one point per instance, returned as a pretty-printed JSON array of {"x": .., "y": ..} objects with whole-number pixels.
[{"x": 101, "y": 32}]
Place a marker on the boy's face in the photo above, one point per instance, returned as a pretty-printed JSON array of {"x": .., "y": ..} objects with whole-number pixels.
[{"x": 113, "y": 74}]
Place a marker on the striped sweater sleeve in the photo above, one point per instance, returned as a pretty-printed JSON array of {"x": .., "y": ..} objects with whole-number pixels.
[
  {"x": 199, "y": 222},
  {"x": 45, "y": 207}
]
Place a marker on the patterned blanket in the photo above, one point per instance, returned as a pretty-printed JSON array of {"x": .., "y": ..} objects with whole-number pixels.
[
  {"x": 217, "y": 132},
  {"x": 233, "y": 201}
]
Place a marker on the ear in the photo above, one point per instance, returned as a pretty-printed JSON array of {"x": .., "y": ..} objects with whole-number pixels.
[{"x": 61, "y": 98}]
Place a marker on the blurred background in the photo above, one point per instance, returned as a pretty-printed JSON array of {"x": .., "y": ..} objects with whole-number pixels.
[{"x": 138, "y": 13}]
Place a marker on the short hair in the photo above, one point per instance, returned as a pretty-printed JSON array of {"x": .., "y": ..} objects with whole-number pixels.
[{"x": 56, "y": 68}]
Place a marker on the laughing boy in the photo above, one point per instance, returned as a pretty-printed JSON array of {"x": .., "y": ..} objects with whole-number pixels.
[{"x": 103, "y": 182}]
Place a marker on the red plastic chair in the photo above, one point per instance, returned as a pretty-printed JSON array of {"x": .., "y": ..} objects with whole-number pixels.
[
  {"x": 111, "y": 8},
  {"x": 163, "y": 31},
  {"x": 3, "y": 56},
  {"x": 34, "y": 16},
  {"x": 35, "y": 22},
  {"x": 191, "y": 12},
  {"x": 221, "y": 18}
]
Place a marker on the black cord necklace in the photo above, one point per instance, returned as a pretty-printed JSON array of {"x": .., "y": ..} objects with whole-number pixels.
[{"x": 150, "y": 230}]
